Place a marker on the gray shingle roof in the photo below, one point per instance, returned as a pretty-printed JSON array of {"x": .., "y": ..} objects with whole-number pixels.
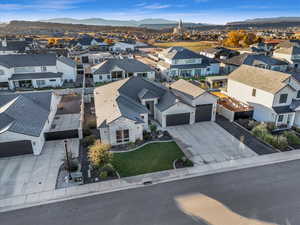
[
  {"x": 252, "y": 60},
  {"x": 67, "y": 61},
  {"x": 18, "y": 46},
  {"x": 24, "y": 60},
  {"x": 30, "y": 76},
  {"x": 129, "y": 65},
  {"x": 25, "y": 113},
  {"x": 282, "y": 109}
]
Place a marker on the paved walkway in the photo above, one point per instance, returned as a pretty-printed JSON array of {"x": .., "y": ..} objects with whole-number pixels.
[
  {"x": 249, "y": 140},
  {"x": 207, "y": 142},
  {"x": 56, "y": 195}
]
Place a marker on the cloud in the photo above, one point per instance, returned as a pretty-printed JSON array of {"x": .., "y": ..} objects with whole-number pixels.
[{"x": 156, "y": 6}]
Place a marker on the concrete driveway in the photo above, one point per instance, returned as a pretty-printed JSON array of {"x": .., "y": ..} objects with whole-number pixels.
[
  {"x": 27, "y": 174},
  {"x": 207, "y": 142}
]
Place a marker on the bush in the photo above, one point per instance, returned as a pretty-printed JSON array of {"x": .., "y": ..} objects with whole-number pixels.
[
  {"x": 99, "y": 154},
  {"x": 280, "y": 142},
  {"x": 109, "y": 169},
  {"x": 86, "y": 132},
  {"x": 292, "y": 138},
  {"x": 147, "y": 136},
  {"x": 89, "y": 140},
  {"x": 252, "y": 124},
  {"x": 271, "y": 126},
  {"x": 260, "y": 130},
  {"x": 103, "y": 175},
  {"x": 153, "y": 128}
]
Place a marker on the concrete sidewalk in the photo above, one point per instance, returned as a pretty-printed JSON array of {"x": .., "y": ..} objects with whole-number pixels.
[{"x": 45, "y": 197}]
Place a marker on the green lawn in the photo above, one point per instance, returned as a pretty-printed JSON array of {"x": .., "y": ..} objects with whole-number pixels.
[{"x": 150, "y": 158}]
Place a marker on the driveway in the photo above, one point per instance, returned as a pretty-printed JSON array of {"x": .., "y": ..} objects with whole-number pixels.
[
  {"x": 207, "y": 142},
  {"x": 33, "y": 174}
]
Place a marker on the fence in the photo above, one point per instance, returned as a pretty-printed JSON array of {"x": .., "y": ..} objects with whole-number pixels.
[{"x": 221, "y": 110}]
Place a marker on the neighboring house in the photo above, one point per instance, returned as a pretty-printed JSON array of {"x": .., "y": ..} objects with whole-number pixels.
[
  {"x": 290, "y": 51},
  {"x": 261, "y": 61},
  {"x": 94, "y": 57},
  {"x": 182, "y": 62},
  {"x": 274, "y": 95},
  {"x": 13, "y": 47},
  {"x": 116, "y": 69},
  {"x": 122, "y": 46},
  {"x": 24, "y": 118},
  {"x": 219, "y": 53},
  {"x": 86, "y": 42},
  {"x": 35, "y": 71},
  {"x": 123, "y": 108}
]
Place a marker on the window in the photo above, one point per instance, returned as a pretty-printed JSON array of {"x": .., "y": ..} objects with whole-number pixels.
[
  {"x": 40, "y": 82},
  {"x": 100, "y": 77},
  {"x": 52, "y": 80},
  {"x": 108, "y": 77},
  {"x": 254, "y": 92},
  {"x": 117, "y": 74},
  {"x": 1, "y": 72},
  {"x": 298, "y": 94},
  {"x": 280, "y": 118},
  {"x": 283, "y": 98},
  {"x": 122, "y": 136},
  {"x": 43, "y": 68}
]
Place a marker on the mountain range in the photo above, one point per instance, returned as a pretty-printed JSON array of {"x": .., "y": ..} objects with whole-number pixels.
[
  {"x": 267, "y": 20},
  {"x": 105, "y": 22}
]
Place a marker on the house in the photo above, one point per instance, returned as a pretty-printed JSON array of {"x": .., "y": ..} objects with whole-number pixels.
[
  {"x": 35, "y": 71},
  {"x": 290, "y": 51},
  {"x": 87, "y": 41},
  {"x": 115, "y": 69},
  {"x": 261, "y": 61},
  {"x": 275, "y": 96},
  {"x": 123, "y": 46},
  {"x": 123, "y": 108},
  {"x": 182, "y": 62},
  {"x": 219, "y": 53},
  {"x": 13, "y": 47},
  {"x": 24, "y": 118}
]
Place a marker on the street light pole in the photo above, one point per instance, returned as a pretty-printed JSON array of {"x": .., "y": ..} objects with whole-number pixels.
[{"x": 68, "y": 161}]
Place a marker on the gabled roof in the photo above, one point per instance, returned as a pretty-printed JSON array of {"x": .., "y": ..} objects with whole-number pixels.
[
  {"x": 24, "y": 60},
  {"x": 18, "y": 46},
  {"x": 264, "y": 79},
  {"x": 254, "y": 59},
  {"x": 129, "y": 65},
  {"x": 180, "y": 53},
  {"x": 187, "y": 88},
  {"x": 25, "y": 113},
  {"x": 67, "y": 61}
]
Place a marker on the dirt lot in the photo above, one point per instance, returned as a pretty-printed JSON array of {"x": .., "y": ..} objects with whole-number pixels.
[{"x": 192, "y": 45}]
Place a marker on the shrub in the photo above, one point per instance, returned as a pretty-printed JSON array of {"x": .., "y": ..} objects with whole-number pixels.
[
  {"x": 271, "y": 126},
  {"x": 89, "y": 140},
  {"x": 153, "y": 128},
  {"x": 280, "y": 142},
  {"x": 260, "y": 130},
  {"x": 252, "y": 124},
  {"x": 99, "y": 154},
  {"x": 86, "y": 132},
  {"x": 147, "y": 136},
  {"x": 109, "y": 169},
  {"x": 292, "y": 138},
  {"x": 103, "y": 175}
]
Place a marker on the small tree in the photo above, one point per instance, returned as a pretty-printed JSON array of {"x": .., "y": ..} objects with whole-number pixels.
[{"x": 99, "y": 154}]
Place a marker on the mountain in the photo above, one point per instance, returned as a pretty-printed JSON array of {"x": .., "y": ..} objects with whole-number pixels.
[
  {"x": 104, "y": 22},
  {"x": 268, "y": 20}
]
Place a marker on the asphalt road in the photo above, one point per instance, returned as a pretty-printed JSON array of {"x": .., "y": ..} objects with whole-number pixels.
[{"x": 269, "y": 193}]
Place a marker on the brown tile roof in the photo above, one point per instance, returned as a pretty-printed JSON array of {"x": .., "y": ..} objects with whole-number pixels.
[{"x": 267, "y": 80}]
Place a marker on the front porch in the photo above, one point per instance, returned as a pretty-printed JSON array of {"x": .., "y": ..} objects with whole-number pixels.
[{"x": 284, "y": 120}]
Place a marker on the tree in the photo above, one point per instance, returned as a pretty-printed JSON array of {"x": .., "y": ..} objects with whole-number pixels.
[{"x": 99, "y": 154}]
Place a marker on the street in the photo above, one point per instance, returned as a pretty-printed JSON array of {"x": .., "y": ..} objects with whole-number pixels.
[{"x": 270, "y": 194}]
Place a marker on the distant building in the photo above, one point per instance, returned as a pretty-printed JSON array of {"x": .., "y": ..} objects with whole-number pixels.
[{"x": 179, "y": 30}]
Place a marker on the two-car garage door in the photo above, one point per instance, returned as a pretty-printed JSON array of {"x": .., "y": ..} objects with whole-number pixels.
[{"x": 15, "y": 148}]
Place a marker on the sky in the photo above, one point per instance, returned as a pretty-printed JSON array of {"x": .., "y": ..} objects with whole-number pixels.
[{"x": 201, "y": 11}]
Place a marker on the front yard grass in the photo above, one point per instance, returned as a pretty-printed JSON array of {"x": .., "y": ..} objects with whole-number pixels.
[{"x": 150, "y": 158}]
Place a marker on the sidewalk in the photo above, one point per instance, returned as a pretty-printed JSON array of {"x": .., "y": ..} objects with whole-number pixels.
[{"x": 34, "y": 199}]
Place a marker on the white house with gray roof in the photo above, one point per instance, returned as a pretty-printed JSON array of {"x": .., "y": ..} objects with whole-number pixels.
[
  {"x": 275, "y": 96},
  {"x": 116, "y": 69},
  {"x": 123, "y": 108},
  {"x": 289, "y": 50},
  {"x": 35, "y": 71},
  {"x": 24, "y": 118},
  {"x": 182, "y": 62}
]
